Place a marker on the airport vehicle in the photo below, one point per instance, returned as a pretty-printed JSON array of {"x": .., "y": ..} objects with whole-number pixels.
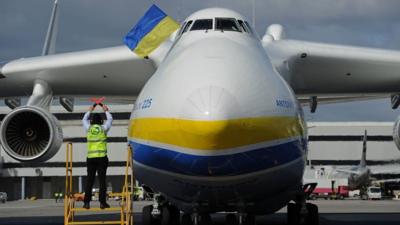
[
  {"x": 330, "y": 189},
  {"x": 217, "y": 123},
  {"x": 372, "y": 193},
  {"x": 328, "y": 193}
]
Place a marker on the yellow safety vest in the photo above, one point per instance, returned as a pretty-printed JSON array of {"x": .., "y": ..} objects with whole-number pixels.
[{"x": 96, "y": 141}]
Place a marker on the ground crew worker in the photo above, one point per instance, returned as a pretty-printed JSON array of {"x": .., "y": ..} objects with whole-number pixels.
[
  {"x": 140, "y": 194},
  {"x": 97, "y": 159},
  {"x": 56, "y": 196},
  {"x": 60, "y": 196}
]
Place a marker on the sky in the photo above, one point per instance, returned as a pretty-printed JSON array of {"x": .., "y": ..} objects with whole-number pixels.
[{"x": 90, "y": 24}]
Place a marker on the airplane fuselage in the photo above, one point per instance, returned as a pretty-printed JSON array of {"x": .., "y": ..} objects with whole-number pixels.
[{"x": 217, "y": 128}]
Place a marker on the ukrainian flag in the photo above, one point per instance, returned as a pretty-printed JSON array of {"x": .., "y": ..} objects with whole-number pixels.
[{"x": 152, "y": 29}]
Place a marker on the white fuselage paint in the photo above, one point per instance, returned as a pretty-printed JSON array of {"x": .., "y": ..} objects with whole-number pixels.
[{"x": 218, "y": 76}]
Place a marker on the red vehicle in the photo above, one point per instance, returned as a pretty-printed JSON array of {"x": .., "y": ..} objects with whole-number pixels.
[{"x": 330, "y": 193}]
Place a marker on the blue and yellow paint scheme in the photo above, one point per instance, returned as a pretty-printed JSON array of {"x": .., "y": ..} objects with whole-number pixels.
[
  {"x": 210, "y": 138},
  {"x": 216, "y": 127}
]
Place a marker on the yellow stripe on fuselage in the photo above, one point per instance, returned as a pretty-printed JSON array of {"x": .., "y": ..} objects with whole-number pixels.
[
  {"x": 155, "y": 37},
  {"x": 214, "y": 135}
]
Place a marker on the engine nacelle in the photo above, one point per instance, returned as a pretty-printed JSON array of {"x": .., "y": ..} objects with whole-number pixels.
[
  {"x": 31, "y": 133},
  {"x": 396, "y": 133}
]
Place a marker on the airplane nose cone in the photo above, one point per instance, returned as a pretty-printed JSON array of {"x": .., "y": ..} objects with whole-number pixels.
[
  {"x": 210, "y": 103},
  {"x": 205, "y": 116}
]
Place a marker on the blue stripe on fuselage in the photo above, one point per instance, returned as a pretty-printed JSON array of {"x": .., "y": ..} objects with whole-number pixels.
[{"x": 219, "y": 165}]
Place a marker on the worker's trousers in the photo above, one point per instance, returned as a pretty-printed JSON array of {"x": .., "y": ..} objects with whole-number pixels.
[{"x": 100, "y": 165}]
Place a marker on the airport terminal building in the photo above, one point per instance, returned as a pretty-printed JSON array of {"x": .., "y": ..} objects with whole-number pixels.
[{"x": 331, "y": 144}]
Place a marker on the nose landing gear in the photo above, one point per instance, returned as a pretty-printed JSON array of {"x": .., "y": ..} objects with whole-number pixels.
[
  {"x": 302, "y": 212},
  {"x": 240, "y": 219},
  {"x": 196, "y": 219},
  {"x": 160, "y": 213},
  {"x": 297, "y": 215}
]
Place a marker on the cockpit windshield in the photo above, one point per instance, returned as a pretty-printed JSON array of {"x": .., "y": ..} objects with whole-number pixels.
[
  {"x": 251, "y": 31},
  {"x": 219, "y": 23},
  {"x": 243, "y": 26},
  {"x": 203, "y": 24},
  {"x": 226, "y": 24},
  {"x": 186, "y": 27}
]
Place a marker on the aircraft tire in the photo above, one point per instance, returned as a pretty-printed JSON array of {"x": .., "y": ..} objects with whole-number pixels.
[
  {"x": 165, "y": 215},
  {"x": 312, "y": 217},
  {"x": 230, "y": 219},
  {"x": 147, "y": 218},
  {"x": 186, "y": 219},
  {"x": 205, "y": 219},
  {"x": 250, "y": 219},
  {"x": 293, "y": 214},
  {"x": 175, "y": 215}
]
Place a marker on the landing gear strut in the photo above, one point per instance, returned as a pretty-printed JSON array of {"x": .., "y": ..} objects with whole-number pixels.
[
  {"x": 301, "y": 212},
  {"x": 186, "y": 219},
  {"x": 160, "y": 213},
  {"x": 297, "y": 215},
  {"x": 240, "y": 219},
  {"x": 147, "y": 217}
]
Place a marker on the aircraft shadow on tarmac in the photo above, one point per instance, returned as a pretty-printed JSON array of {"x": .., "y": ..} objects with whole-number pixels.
[{"x": 275, "y": 219}]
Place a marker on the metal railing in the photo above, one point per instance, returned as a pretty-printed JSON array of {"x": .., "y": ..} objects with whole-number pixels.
[{"x": 125, "y": 207}]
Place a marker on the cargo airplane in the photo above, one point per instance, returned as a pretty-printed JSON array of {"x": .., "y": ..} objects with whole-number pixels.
[
  {"x": 217, "y": 124},
  {"x": 358, "y": 176}
]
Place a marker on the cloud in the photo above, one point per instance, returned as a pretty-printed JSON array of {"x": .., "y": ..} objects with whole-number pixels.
[{"x": 88, "y": 24}]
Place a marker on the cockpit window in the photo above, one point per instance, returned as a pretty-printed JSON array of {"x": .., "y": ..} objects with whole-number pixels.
[
  {"x": 243, "y": 26},
  {"x": 203, "y": 24},
  {"x": 226, "y": 24},
  {"x": 181, "y": 29},
  {"x": 249, "y": 27},
  {"x": 186, "y": 28}
]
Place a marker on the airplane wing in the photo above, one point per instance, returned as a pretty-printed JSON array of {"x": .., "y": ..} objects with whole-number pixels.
[
  {"x": 317, "y": 69},
  {"x": 347, "y": 171},
  {"x": 114, "y": 71}
]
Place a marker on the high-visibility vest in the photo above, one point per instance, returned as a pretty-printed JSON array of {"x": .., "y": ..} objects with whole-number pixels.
[{"x": 96, "y": 141}]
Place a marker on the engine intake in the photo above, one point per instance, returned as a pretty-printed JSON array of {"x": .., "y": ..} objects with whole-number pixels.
[{"x": 31, "y": 134}]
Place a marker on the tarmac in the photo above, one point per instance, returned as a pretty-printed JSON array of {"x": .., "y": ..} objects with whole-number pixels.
[{"x": 332, "y": 212}]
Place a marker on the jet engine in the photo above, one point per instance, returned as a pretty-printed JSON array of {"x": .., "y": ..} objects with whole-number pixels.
[
  {"x": 30, "y": 133},
  {"x": 396, "y": 133}
]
